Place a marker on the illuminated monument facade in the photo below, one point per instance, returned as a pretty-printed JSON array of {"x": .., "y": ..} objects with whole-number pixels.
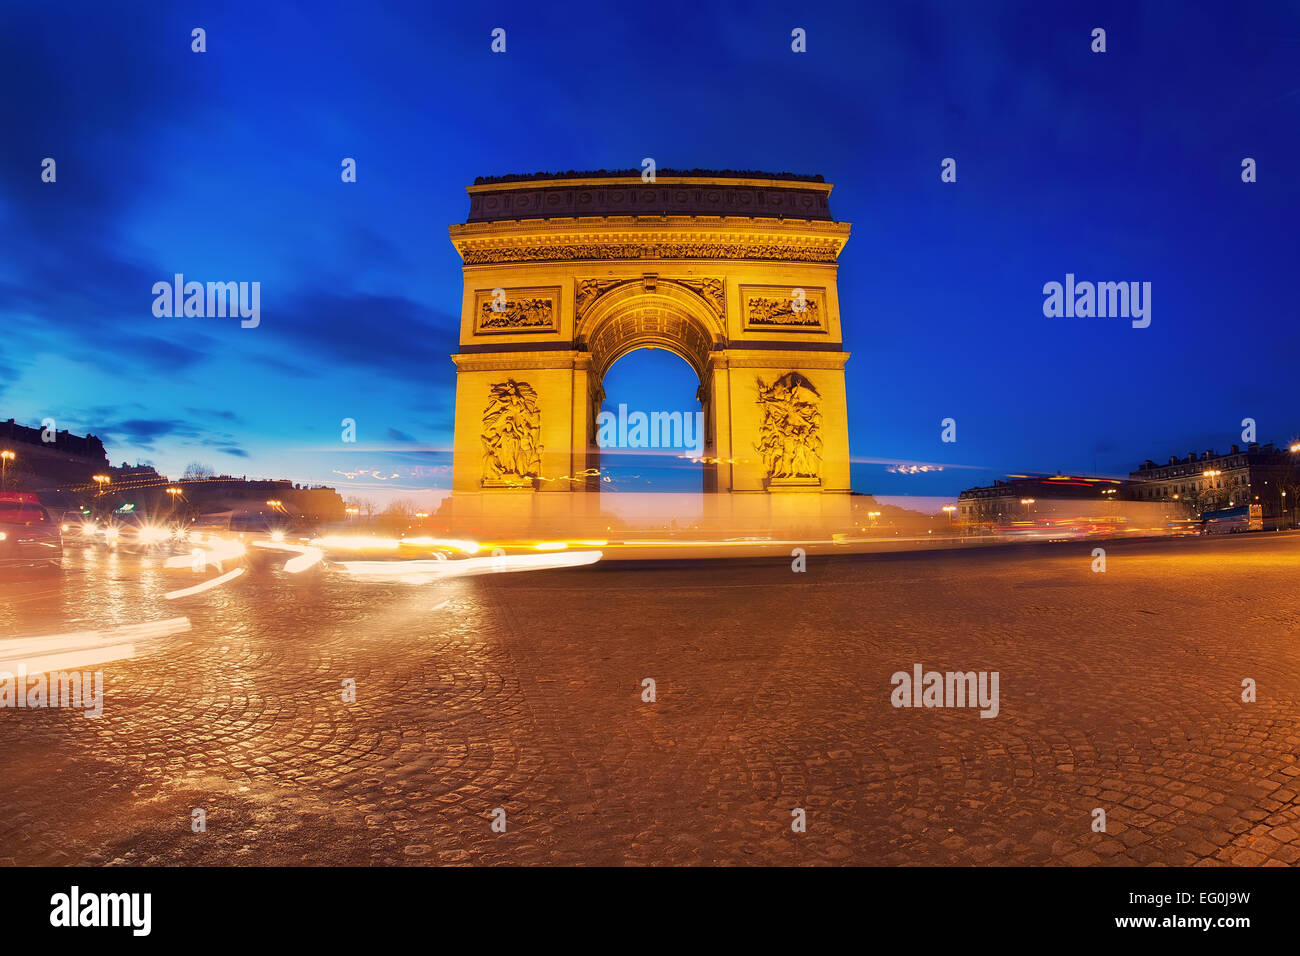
[{"x": 564, "y": 275}]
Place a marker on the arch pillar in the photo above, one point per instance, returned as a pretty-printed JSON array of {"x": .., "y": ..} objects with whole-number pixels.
[
  {"x": 556, "y": 412},
  {"x": 767, "y": 400}
]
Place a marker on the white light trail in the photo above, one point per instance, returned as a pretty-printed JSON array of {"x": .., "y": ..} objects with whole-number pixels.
[
  {"x": 420, "y": 572},
  {"x": 307, "y": 556},
  {"x": 207, "y": 585},
  {"x": 220, "y": 550},
  {"x": 361, "y": 542},
  {"x": 80, "y": 649}
]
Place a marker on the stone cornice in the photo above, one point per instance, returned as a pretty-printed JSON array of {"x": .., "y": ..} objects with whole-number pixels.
[
  {"x": 739, "y": 357},
  {"x": 597, "y": 181},
  {"x": 494, "y": 361},
  {"x": 639, "y": 237}
]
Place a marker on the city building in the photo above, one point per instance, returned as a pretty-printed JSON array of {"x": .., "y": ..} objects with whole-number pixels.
[
  {"x": 35, "y": 464},
  {"x": 146, "y": 491},
  {"x": 1028, "y": 497},
  {"x": 1261, "y": 474},
  {"x": 70, "y": 471}
]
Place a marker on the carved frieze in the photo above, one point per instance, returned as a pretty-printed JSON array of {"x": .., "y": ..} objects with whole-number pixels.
[
  {"x": 782, "y": 251},
  {"x": 516, "y": 310},
  {"x": 789, "y": 431},
  {"x": 512, "y": 431},
  {"x": 784, "y": 309}
]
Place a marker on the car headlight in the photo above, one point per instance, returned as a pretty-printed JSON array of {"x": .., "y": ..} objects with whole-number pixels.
[{"x": 3, "y": 535}]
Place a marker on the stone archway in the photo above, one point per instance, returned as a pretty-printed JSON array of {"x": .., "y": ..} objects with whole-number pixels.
[
  {"x": 619, "y": 316},
  {"x": 563, "y": 276}
]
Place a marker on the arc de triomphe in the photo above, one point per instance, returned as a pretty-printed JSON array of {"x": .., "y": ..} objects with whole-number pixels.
[{"x": 564, "y": 275}]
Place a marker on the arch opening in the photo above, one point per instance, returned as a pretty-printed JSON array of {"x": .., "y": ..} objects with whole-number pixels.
[
  {"x": 649, "y": 421},
  {"x": 631, "y": 316}
]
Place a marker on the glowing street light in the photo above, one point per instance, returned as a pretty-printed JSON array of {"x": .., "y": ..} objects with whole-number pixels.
[
  {"x": 1027, "y": 502},
  {"x": 102, "y": 480},
  {"x": 950, "y": 509},
  {"x": 6, "y": 456}
]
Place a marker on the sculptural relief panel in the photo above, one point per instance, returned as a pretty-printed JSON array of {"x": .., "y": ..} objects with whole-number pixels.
[
  {"x": 784, "y": 309},
  {"x": 790, "y": 429},
  {"x": 512, "y": 430},
  {"x": 516, "y": 310}
]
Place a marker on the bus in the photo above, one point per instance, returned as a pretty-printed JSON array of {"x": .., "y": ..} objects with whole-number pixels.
[{"x": 1233, "y": 520}]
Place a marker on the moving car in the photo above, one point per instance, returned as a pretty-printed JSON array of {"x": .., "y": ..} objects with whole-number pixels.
[{"x": 28, "y": 535}]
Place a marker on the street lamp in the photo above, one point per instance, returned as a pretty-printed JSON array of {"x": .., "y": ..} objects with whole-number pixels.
[
  {"x": 6, "y": 456},
  {"x": 352, "y": 513},
  {"x": 1027, "y": 502},
  {"x": 102, "y": 480},
  {"x": 1211, "y": 473},
  {"x": 950, "y": 509}
]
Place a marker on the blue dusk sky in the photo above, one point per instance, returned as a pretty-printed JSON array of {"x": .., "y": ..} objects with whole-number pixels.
[{"x": 224, "y": 165}]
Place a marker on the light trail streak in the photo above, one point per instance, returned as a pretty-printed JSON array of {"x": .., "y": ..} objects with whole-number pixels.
[
  {"x": 207, "y": 585},
  {"x": 307, "y": 556},
  {"x": 220, "y": 551},
  {"x": 420, "y": 572},
  {"x": 361, "y": 542},
  {"x": 80, "y": 649},
  {"x": 453, "y": 544},
  {"x": 355, "y": 542}
]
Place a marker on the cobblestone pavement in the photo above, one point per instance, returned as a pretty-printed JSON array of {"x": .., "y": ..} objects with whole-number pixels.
[{"x": 1119, "y": 690}]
